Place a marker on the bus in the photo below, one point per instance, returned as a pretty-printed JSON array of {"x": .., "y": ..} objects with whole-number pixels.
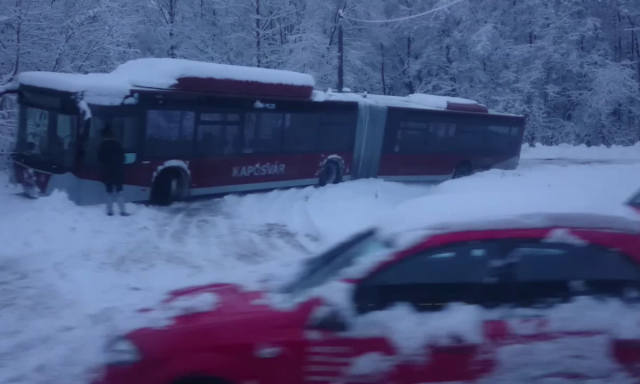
[{"x": 194, "y": 129}]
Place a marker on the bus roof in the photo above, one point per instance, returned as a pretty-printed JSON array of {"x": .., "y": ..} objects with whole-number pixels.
[
  {"x": 413, "y": 101},
  {"x": 178, "y": 75},
  {"x": 174, "y": 75}
]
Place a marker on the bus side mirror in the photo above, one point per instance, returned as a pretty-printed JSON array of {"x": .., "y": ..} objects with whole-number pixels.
[{"x": 130, "y": 158}]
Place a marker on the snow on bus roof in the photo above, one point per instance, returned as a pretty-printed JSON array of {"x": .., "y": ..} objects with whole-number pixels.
[
  {"x": 196, "y": 76},
  {"x": 415, "y": 101},
  {"x": 163, "y": 73},
  {"x": 112, "y": 88}
]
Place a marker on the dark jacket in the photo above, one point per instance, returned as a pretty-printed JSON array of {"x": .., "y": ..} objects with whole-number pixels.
[{"x": 111, "y": 158}]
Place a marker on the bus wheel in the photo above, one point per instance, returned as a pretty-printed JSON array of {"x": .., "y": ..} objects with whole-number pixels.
[
  {"x": 462, "y": 170},
  {"x": 170, "y": 186},
  {"x": 331, "y": 174}
]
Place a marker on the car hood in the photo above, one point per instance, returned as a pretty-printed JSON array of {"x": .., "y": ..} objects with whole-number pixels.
[{"x": 216, "y": 314}]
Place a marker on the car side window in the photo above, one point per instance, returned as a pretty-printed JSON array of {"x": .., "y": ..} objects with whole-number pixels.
[
  {"x": 431, "y": 279},
  {"x": 546, "y": 274}
]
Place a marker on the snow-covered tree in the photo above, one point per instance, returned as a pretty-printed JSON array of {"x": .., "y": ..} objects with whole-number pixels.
[{"x": 571, "y": 66}]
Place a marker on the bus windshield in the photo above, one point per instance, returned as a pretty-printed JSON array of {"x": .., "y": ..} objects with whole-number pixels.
[{"x": 48, "y": 136}]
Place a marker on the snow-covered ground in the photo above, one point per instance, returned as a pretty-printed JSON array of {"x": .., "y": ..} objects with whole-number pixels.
[
  {"x": 581, "y": 153},
  {"x": 71, "y": 276}
]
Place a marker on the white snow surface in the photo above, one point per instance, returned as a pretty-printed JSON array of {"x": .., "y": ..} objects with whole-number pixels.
[
  {"x": 71, "y": 277},
  {"x": 84, "y": 107},
  {"x": 163, "y": 73},
  {"x": 565, "y": 236},
  {"x": 112, "y": 88},
  {"x": 412, "y": 333},
  {"x": 520, "y": 199},
  {"x": 416, "y": 100},
  {"x": 163, "y": 315},
  {"x": 581, "y": 152},
  {"x": 370, "y": 365}
]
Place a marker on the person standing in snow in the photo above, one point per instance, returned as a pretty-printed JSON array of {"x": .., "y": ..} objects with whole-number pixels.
[{"x": 111, "y": 158}]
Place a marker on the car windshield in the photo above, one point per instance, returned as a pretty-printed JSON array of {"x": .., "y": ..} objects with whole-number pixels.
[
  {"x": 48, "y": 135},
  {"x": 325, "y": 267},
  {"x": 635, "y": 200}
]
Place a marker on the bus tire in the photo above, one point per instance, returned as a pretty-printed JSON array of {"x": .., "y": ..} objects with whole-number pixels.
[
  {"x": 462, "y": 170},
  {"x": 170, "y": 186},
  {"x": 331, "y": 174}
]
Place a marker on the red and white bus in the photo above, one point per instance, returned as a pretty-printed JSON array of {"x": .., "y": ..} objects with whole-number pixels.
[{"x": 193, "y": 129}]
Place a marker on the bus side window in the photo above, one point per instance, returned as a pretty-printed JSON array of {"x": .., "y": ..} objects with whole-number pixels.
[
  {"x": 94, "y": 138},
  {"x": 263, "y": 132},
  {"x": 170, "y": 134},
  {"x": 300, "y": 132},
  {"x": 337, "y": 131},
  {"x": 127, "y": 130}
]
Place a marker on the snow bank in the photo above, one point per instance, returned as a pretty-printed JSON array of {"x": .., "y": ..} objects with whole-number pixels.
[
  {"x": 581, "y": 152},
  {"x": 497, "y": 197},
  {"x": 72, "y": 277}
]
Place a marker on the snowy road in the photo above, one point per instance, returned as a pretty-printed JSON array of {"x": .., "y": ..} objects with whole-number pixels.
[{"x": 70, "y": 276}]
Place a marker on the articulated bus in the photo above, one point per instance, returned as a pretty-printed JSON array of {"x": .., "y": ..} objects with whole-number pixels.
[{"x": 193, "y": 129}]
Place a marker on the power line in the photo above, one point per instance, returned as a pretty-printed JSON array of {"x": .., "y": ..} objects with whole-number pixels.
[{"x": 401, "y": 18}]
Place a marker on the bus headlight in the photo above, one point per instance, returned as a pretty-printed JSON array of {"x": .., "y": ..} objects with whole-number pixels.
[{"x": 122, "y": 351}]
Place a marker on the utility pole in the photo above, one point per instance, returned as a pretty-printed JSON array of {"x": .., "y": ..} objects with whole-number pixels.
[{"x": 340, "y": 52}]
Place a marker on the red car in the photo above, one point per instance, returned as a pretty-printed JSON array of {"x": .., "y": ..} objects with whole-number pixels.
[
  {"x": 521, "y": 300},
  {"x": 634, "y": 202}
]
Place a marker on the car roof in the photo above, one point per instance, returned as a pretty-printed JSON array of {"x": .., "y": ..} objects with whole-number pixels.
[
  {"x": 592, "y": 221},
  {"x": 404, "y": 236}
]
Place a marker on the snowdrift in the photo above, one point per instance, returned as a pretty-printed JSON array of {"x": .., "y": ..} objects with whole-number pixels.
[
  {"x": 71, "y": 277},
  {"x": 581, "y": 152}
]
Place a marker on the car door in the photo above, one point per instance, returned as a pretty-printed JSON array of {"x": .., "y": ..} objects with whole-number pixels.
[
  {"x": 572, "y": 306},
  {"x": 440, "y": 308},
  {"x": 330, "y": 355}
]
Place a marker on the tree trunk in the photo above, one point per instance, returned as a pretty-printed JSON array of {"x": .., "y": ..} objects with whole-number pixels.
[
  {"x": 384, "y": 83},
  {"x": 340, "y": 56},
  {"x": 258, "y": 35}
]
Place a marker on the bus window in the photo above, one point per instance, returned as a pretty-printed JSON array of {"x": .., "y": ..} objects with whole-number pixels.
[
  {"x": 37, "y": 131},
  {"x": 64, "y": 141},
  {"x": 126, "y": 130},
  {"x": 300, "y": 133},
  {"x": 263, "y": 132},
  {"x": 499, "y": 139},
  {"x": 411, "y": 141},
  {"x": 215, "y": 140},
  {"x": 170, "y": 134},
  {"x": 337, "y": 131},
  {"x": 470, "y": 137},
  {"x": 219, "y": 134},
  {"x": 49, "y": 135},
  {"x": 441, "y": 137}
]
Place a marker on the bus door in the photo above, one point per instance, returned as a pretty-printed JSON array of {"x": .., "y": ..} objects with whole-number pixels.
[
  {"x": 417, "y": 148},
  {"x": 88, "y": 169}
]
